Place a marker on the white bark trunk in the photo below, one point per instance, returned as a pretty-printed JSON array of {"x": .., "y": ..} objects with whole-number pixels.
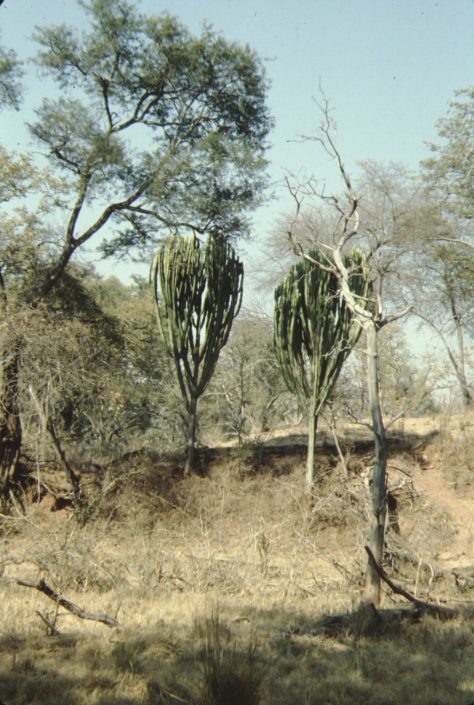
[{"x": 379, "y": 480}]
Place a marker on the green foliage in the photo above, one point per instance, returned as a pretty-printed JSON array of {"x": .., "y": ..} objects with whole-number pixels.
[
  {"x": 148, "y": 408},
  {"x": 16, "y": 175},
  {"x": 10, "y": 75},
  {"x": 95, "y": 361},
  {"x": 314, "y": 329},
  {"x": 450, "y": 171},
  {"x": 172, "y": 132},
  {"x": 128, "y": 398},
  {"x": 71, "y": 351},
  {"x": 153, "y": 130}
]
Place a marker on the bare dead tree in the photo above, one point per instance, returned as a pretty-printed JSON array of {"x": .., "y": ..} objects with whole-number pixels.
[{"x": 370, "y": 315}]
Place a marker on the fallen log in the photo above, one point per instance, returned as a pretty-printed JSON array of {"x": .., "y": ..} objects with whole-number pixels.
[{"x": 70, "y": 606}]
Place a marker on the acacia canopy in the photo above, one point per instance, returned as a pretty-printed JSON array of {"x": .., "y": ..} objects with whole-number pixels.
[
  {"x": 155, "y": 127},
  {"x": 449, "y": 172}
]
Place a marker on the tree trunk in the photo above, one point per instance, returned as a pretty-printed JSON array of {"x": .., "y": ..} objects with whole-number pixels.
[
  {"x": 312, "y": 428},
  {"x": 10, "y": 423},
  {"x": 467, "y": 397},
  {"x": 63, "y": 461},
  {"x": 191, "y": 439},
  {"x": 241, "y": 413},
  {"x": 379, "y": 479},
  {"x": 66, "y": 465}
]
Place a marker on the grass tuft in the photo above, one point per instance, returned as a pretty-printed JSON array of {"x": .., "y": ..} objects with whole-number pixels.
[{"x": 232, "y": 675}]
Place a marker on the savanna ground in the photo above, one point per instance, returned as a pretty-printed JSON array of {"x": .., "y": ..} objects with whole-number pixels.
[{"x": 219, "y": 581}]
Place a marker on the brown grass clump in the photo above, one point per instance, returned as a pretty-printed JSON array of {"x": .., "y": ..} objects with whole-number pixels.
[{"x": 232, "y": 674}]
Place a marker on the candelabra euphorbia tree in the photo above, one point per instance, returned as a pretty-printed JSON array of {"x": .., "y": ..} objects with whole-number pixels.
[
  {"x": 314, "y": 332},
  {"x": 198, "y": 293}
]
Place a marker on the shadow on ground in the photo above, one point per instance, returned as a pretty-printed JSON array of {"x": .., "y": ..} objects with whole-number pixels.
[{"x": 427, "y": 663}]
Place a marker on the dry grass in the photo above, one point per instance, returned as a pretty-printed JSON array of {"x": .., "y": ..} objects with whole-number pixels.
[{"x": 165, "y": 556}]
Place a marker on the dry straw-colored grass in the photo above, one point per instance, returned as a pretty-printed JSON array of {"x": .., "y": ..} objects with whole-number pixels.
[{"x": 217, "y": 582}]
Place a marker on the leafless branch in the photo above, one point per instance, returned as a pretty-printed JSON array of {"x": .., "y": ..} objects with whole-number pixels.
[
  {"x": 70, "y": 606},
  {"x": 399, "y": 314}
]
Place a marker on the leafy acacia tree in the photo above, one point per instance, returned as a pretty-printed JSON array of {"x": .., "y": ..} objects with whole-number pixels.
[
  {"x": 444, "y": 304},
  {"x": 154, "y": 129},
  {"x": 10, "y": 75},
  {"x": 315, "y": 331},
  {"x": 449, "y": 172},
  {"x": 201, "y": 294},
  {"x": 450, "y": 208}
]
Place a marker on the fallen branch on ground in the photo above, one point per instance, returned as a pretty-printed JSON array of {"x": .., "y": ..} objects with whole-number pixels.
[
  {"x": 70, "y": 606},
  {"x": 436, "y": 610},
  {"x": 369, "y": 621}
]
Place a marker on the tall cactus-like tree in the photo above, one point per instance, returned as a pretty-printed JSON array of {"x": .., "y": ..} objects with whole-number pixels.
[
  {"x": 198, "y": 294},
  {"x": 314, "y": 332}
]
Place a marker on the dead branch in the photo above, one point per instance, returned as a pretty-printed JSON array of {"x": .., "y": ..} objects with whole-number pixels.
[
  {"x": 70, "y": 606},
  {"x": 436, "y": 610}
]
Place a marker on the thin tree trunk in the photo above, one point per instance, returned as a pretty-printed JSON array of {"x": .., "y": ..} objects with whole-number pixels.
[
  {"x": 467, "y": 397},
  {"x": 333, "y": 427},
  {"x": 64, "y": 462},
  {"x": 241, "y": 419},
  {"x": 10, "y": 423},
  {"x": 312, "y": 429},
  {"x": 67, "y": 467},
  {"x": 379, "y": 479},
  {"x": 191, "y": 438},
  {"x": 458, "y": 362}
]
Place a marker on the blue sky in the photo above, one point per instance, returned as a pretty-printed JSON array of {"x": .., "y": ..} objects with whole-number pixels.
[{"x": 388, "y": 67}]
